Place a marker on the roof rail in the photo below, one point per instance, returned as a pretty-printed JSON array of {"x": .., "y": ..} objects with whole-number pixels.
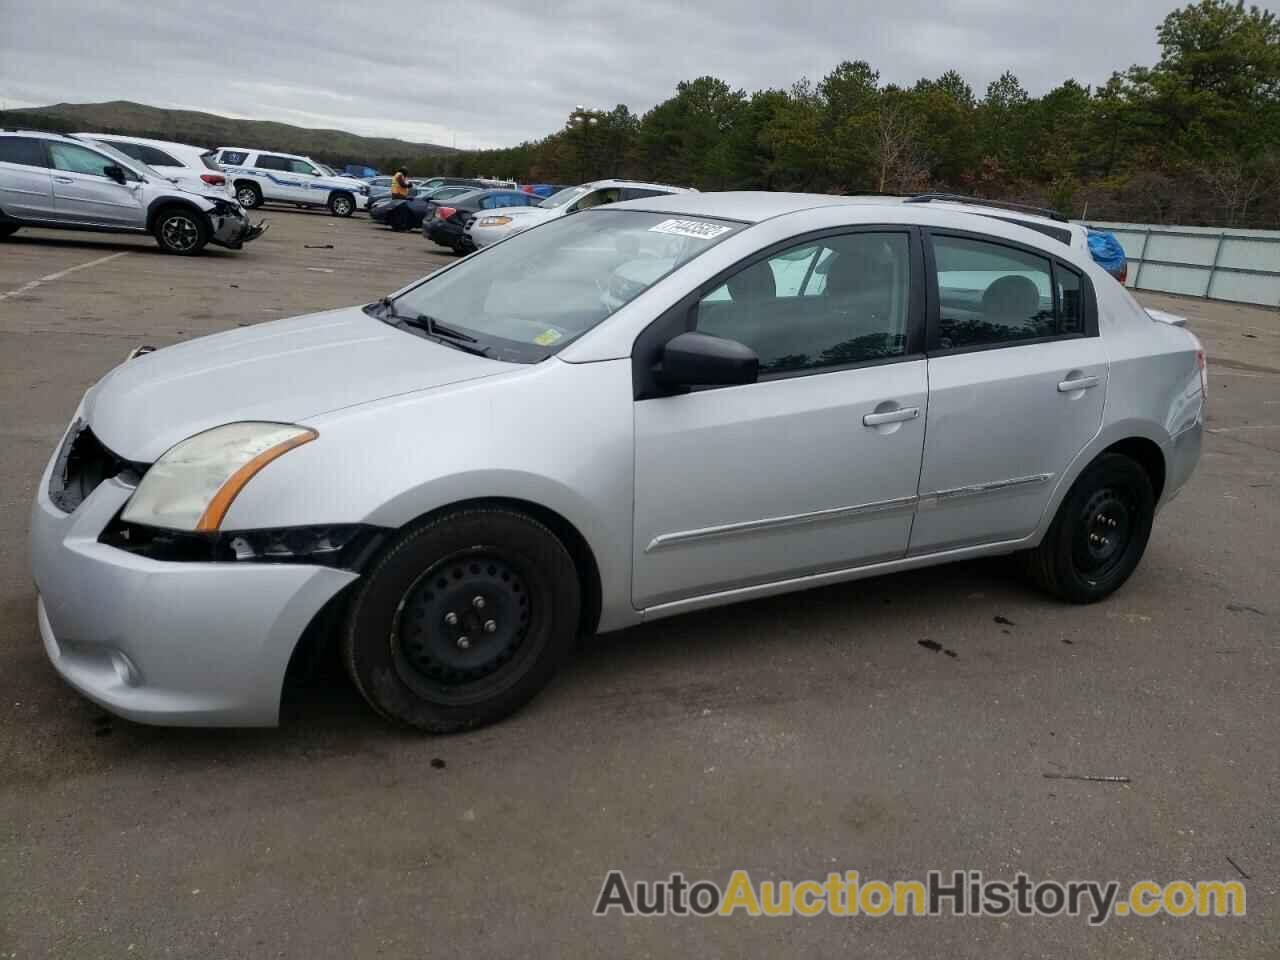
[{"x": 980, "y": 201}]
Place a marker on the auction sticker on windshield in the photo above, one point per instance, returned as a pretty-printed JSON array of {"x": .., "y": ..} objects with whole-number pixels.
[{"x": 697, "y": 229}]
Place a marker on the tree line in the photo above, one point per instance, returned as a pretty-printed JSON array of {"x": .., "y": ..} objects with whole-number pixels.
[{"x": 1194, "y": 138}]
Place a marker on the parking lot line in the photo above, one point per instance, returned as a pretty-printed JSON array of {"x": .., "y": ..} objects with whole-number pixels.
[{"x": 27, "y": 287}]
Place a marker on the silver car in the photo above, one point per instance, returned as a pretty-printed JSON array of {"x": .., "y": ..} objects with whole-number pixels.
[
  {"x": 645, "y": 409},
  {"x": 64, "y": 182}
]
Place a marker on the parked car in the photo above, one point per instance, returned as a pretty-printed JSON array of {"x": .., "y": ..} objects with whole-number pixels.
[
  {"x": 193, "y": 168},
  {"x": 468, "y": 475},
  {"x": 497, "y": 224},
  {"x": 381, "y": 186},
  {"x": 259, "y": 176},
  {"x": 409, "y": 214},
  {"x": 446, "y": 225},
  {"x": 51, "y": 180}
]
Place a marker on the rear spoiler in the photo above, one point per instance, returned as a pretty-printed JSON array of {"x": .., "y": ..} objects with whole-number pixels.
[{"x": 1170, "y": 318}]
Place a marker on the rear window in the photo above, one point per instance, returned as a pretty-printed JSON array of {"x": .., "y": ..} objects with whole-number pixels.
[
  {"x": 210, "y": 160},
  {"x": 27, "y": 151},
  {"x": 233, "y": 157}
]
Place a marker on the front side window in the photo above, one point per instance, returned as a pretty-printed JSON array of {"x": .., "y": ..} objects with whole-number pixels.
[
  {"x": 824, "y": 303},
  {"x": 301, "y": 166},
  {"x": 533, "y": 294},
  {"x": 26, "y": 151},
  {"x": 990, "y": 294},
  {"x": 76, "y": 159}
]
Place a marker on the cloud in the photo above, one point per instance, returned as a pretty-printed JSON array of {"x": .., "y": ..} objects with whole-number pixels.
[{"x": 495, "y": 72}]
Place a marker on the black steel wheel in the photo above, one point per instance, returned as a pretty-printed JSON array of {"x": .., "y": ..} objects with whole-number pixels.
[
  {"x": 462, "y": 619},
  {"x": 1099, "y": 533}
]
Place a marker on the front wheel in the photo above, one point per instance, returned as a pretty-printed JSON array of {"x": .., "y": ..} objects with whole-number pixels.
[
  {"x": 181, "y": 231},
  {"x": 341, "y": 205},
  {"x": 1099, "y": 533},
  {"x": 462, "y": 620}
]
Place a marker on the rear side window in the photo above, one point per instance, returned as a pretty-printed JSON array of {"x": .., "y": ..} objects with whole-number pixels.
[
  {"x": 233, "y": 157},
  {"x": 639, "y": 193},
  {"x": 27, "y": 151},
  {"x": 268, "y": 162},
  {"x": 209, "y": 160},
  {"x": 157, "y": 158}
]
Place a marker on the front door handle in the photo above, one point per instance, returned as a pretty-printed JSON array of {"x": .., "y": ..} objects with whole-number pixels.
[
  {"x": 890, "y": 416},
  {"x": 1080, "y": 383},
  {"x": 63, "y": 180}
]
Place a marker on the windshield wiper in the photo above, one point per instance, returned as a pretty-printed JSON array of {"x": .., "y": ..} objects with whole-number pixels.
[{"x": 434, "y": 329}]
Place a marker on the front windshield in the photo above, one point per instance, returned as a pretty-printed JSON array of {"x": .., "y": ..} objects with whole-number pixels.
[
  {"x": 567, "y": 195},
  {"x": 533, "y": 294}
]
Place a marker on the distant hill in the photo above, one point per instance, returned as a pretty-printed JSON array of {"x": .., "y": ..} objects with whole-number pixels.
[{"x": 334, "y": 147}]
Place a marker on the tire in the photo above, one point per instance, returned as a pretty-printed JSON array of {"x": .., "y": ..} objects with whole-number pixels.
[
  {"x": 8, "y": 229},
  {"x": 181, "y": 231},
  {"x": 1099, "y": 533},
  {"x": 399, "y": 222},
  {"x": 248, "y": 194},
  {"x": 342, "y": 205},
  {"x": 421, "y": 650}
]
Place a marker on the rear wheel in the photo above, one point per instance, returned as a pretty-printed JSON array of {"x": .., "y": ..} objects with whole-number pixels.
[
  {"x": 182, "y": 231},
  {"x": 399, "y": 220},
  {"x": 1099, "y": 533},
  {"x": 248, "y": 194},
  {"x": 342, "y": 205},
  {"x": 463, "y": 620},
  {"x": 8, "y": 230}
]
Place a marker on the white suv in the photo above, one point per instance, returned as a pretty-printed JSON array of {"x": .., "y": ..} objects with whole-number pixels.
[
  {"x": 192, "y": 168},
  {"x": 258, "y": 176}
]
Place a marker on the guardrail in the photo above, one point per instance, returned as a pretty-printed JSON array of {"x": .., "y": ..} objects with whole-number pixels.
[{"x": 1242, "y": 266}]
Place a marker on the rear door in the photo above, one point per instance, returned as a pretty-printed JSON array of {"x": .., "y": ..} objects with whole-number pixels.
[
  {"x": 1017, "y": 384},
  {"x": 26, "y": 191},
  {"x": 83, "y": 193},
  {"x": 276, "y": 178}
]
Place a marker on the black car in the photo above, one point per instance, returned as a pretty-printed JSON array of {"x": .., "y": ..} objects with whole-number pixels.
[
  {"x": 445, "y": 222},
  {"x": 408, "y": 214}
]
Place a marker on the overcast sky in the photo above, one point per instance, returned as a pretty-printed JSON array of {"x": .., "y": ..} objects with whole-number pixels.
[{"x": 495, "y": 72}]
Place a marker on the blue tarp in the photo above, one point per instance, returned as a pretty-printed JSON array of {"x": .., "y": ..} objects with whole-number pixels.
[{"x": 1106, "y": 251}]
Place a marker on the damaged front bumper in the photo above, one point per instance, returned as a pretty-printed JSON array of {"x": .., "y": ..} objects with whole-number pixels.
[{"x": 232, "y": 229}]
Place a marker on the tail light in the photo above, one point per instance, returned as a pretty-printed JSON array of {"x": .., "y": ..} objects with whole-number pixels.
[
  {"x": 214, "y": 179},
  {"x": 1123, "y": 274},
  {"x": 1204, "y": 371},
  {"x": 444, "y": 213}
]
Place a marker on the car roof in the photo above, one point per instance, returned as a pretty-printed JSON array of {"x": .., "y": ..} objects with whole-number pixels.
[
  {"x": 642, "y": 184},
  {"x": 274, "y": 153},
  {"x": 145, "y": 141}
]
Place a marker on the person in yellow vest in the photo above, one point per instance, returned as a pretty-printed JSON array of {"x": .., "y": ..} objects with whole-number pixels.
[{"x": 400, "y": 185}]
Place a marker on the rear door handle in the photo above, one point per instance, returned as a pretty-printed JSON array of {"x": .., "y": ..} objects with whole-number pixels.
[
  {"x": 1082, "y": 383},
  {"x": 890, "y": 416},
  {"x": 63, "y": 180}
]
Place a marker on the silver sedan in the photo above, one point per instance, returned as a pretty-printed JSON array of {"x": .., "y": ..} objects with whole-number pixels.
[{"x": 637, "y": 411}]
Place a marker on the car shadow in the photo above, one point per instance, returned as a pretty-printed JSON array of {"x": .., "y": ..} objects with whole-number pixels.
[
  {"x": 323, "y": 715},
  {"x": 87, "y": 240}
]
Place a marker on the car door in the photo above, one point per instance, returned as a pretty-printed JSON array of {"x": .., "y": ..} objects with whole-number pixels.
[
  {"x": 275, "y": 178},
  {"x": 1017, "y": 383},
  {"x": 26, "y": 191},
  {"x": 815, "y": 466},
  {"x": 306, "y": 190},
  {"x": 83, "y": 193}
]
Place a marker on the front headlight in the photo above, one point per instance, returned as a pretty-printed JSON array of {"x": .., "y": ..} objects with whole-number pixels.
[
  {"x": 493, "y": 221},
  {"x": 193, "y": 484}
]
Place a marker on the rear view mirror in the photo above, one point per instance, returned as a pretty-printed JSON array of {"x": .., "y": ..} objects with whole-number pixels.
[
  {"x": 114, "y": 171},
  {"x": 701, "y": 360}
]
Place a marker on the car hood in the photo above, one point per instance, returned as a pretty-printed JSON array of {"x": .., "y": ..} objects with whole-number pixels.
[{"x": 287, "y": 371}]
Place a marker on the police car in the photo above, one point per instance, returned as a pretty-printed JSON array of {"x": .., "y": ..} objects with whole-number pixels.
[{"x": 259, "y": 176}]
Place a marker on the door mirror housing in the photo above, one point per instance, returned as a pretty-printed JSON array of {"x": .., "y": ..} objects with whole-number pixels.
[
  {"x": 701, "y": 360},
  {"x": 115, "y": 172}
]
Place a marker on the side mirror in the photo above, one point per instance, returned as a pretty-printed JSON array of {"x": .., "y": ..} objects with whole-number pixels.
[
  {"x": 701, "y": 360},
  {"x": 115, "y": 172}
]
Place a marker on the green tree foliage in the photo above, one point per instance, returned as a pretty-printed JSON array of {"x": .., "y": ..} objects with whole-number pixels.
[{"x": 1194, "y": 137}]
